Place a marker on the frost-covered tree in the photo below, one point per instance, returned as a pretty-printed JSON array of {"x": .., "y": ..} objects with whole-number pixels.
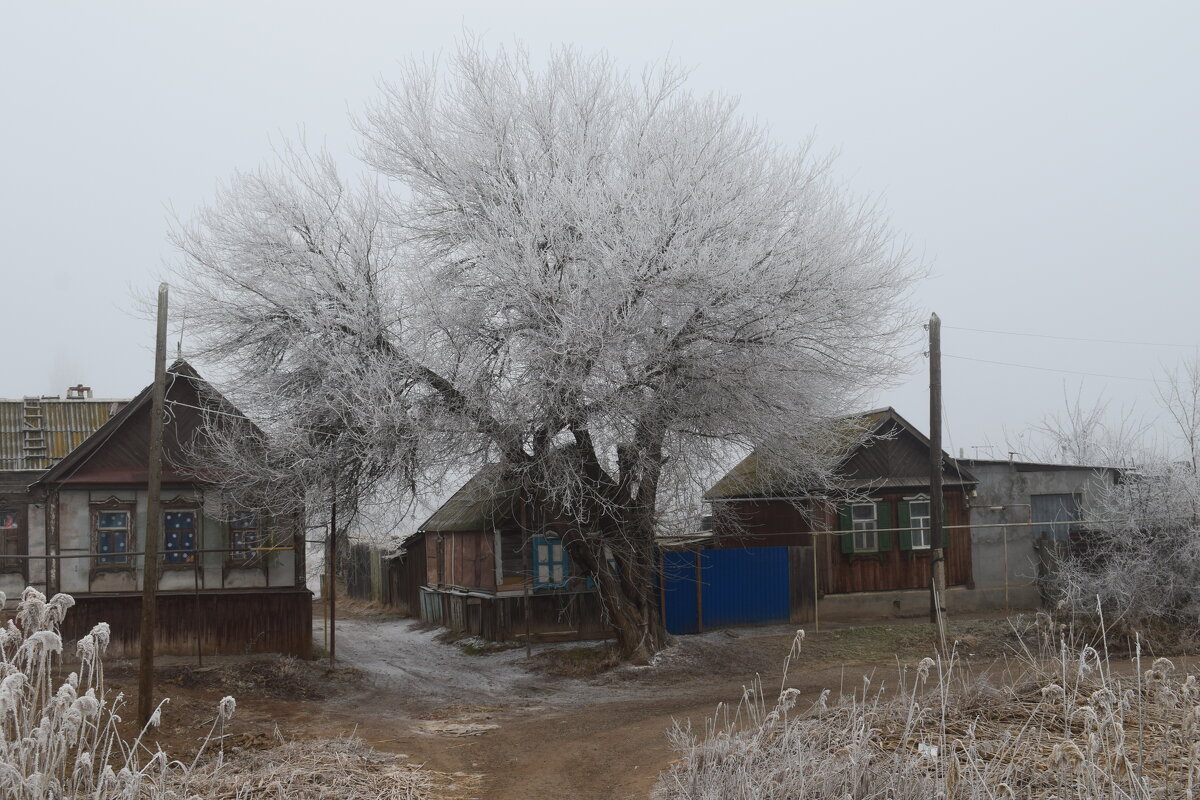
[
  {"x": 1143, "y": 561},
  {"x": 601, "y": 280}
]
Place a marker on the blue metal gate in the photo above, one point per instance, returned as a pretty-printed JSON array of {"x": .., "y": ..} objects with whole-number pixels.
[
  {"x": 742, "y": 586},
  {"x": 680, "y": 599}
]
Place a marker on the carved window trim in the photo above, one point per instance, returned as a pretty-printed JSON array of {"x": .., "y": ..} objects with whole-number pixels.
[{"x": 113, "y": 504}]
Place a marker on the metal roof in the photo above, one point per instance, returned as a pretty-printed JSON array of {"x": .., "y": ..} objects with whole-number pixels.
[
  {"x": 38, "y": 432},
  {"x": 475, "y": 505},
  {"x": 747, "y": 477}
]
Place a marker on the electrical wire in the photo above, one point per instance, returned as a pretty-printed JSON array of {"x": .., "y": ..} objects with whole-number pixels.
[
  {"x": 1049, "y": 369},
  {"x": 1069, "y": 338}
]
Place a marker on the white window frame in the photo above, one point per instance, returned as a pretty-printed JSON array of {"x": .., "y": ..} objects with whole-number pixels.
[
  {"x": 253, "y": 540},
  {"x": 550, "y": 563},
  {"x": 926, "y": 529},
  {"x": 866, "y": 531}
]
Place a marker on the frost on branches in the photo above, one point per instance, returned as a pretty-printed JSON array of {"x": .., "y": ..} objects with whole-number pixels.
[
  {"x": 1143, "y": 562},
  {"x": 603, "y": 281}
]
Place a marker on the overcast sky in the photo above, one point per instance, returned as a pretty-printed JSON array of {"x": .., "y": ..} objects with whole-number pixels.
[{"x": 1042, "y": 158}]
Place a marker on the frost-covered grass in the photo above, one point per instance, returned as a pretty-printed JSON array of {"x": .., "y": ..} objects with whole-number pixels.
[
  {"x": 64, "y": 741},
  {"x": 1064, "y": 724}
]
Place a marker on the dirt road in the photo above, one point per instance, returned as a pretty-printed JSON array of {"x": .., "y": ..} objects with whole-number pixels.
[
  {"x": 533, "y": 736},
  {"x": 507, "y": 728}
]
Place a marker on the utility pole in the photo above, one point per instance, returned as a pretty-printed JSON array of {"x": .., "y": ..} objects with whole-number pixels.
[
  {"x": 153, "y": 517},
  {"x": 331, "y": 580},
  {"x": 937, "y": 563}
]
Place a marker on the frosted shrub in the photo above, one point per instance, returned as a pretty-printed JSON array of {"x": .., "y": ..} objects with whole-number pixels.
[
  {"x": 1067, "y": 727},
  {"x": 1143, "y": 562},
  {"x": 64, "y": 742}
]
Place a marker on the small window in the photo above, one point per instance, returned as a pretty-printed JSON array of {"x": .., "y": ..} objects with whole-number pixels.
[
  {"x": 10, "y": 540},
  {"x": 918, "y": 520},
  {"x": 1054, "y": 516},
  {"x": 245, "y": 537},
  {"x": 179, "y": 528},
  {"x": 866, "y": 536},
  {"x": 549, "y": 563},
  {"x": 112, "y": 538}
]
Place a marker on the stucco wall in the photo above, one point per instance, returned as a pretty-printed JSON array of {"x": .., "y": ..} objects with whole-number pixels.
[
  {"x": 1013, "y": 556},
  {"x": 78, "y": 576}
]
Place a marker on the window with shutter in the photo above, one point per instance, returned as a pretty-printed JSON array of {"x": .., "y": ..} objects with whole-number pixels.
[
  {"x": 863, "y": 517},
  {"x": 918, "y": 522},
  {"x": 550, "y": 567}
]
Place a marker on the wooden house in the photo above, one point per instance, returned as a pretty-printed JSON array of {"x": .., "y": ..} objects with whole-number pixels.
[
  {"x": 872, "y": 552},
  {"x": 491, "y": 564},
  {"x": 230, "y": 581}
]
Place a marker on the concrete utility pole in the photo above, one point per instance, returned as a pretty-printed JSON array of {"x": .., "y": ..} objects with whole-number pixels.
[
  {"x": 937, "y": 563},
  {"x": 153, "y": 517}
]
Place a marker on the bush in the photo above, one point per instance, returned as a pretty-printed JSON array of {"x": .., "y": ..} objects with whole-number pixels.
[{"x": 1143, "y": 564}]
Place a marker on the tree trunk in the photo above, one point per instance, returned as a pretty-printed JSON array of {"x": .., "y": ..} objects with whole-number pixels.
[{"x": 629, "y": 595}]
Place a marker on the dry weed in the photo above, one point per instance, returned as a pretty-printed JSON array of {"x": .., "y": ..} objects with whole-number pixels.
[{"x": 1063, "y": 725}]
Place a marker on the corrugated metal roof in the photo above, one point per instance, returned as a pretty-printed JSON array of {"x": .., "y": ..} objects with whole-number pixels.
[{"x": 37, "y": 432}]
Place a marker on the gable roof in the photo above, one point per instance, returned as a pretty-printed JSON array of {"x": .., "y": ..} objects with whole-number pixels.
[
  {"x": 192, "y": 387},
  {"x": 745, "y": 479},
  {"x": 474, "y": 507},
  {"x": 38, "y": 432}
]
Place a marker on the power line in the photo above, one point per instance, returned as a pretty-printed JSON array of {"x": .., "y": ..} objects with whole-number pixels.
[
  {"x": 1050, "y": 369},
  {"x": 1069, "y": 338}
]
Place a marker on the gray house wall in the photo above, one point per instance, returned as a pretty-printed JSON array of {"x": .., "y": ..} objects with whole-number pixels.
[{"x": 1008, "y": 560}]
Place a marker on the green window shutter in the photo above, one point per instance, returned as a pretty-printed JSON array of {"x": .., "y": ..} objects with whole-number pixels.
[
  {"x": 844, "y": 524},
  {"x": 883, "y": 519},
  {"x": 905, "y": 522}
]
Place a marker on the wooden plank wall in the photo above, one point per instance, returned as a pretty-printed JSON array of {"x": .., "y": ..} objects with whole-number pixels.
[
  {"x": 761, "y": 523},
  {"x": 552, "y": 617},
  {"x": 801, "y": 577},
  {"x": 896, "y": 569},
  {"x": 229, "y": 622},
  {"x": 405, "y": 575}
]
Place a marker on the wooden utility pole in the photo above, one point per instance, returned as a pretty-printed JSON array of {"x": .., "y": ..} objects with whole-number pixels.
[
  {"x": 331, "y": 580},
  {"x": 937, "y": 563},
  {"x": 153, "y": 516}
]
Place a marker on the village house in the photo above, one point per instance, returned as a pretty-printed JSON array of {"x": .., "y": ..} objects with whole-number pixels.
[
  {"x": 490, "y": 563},
  {"x": 230, "y": 581},
  {"x": 865, "y": 557}
]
